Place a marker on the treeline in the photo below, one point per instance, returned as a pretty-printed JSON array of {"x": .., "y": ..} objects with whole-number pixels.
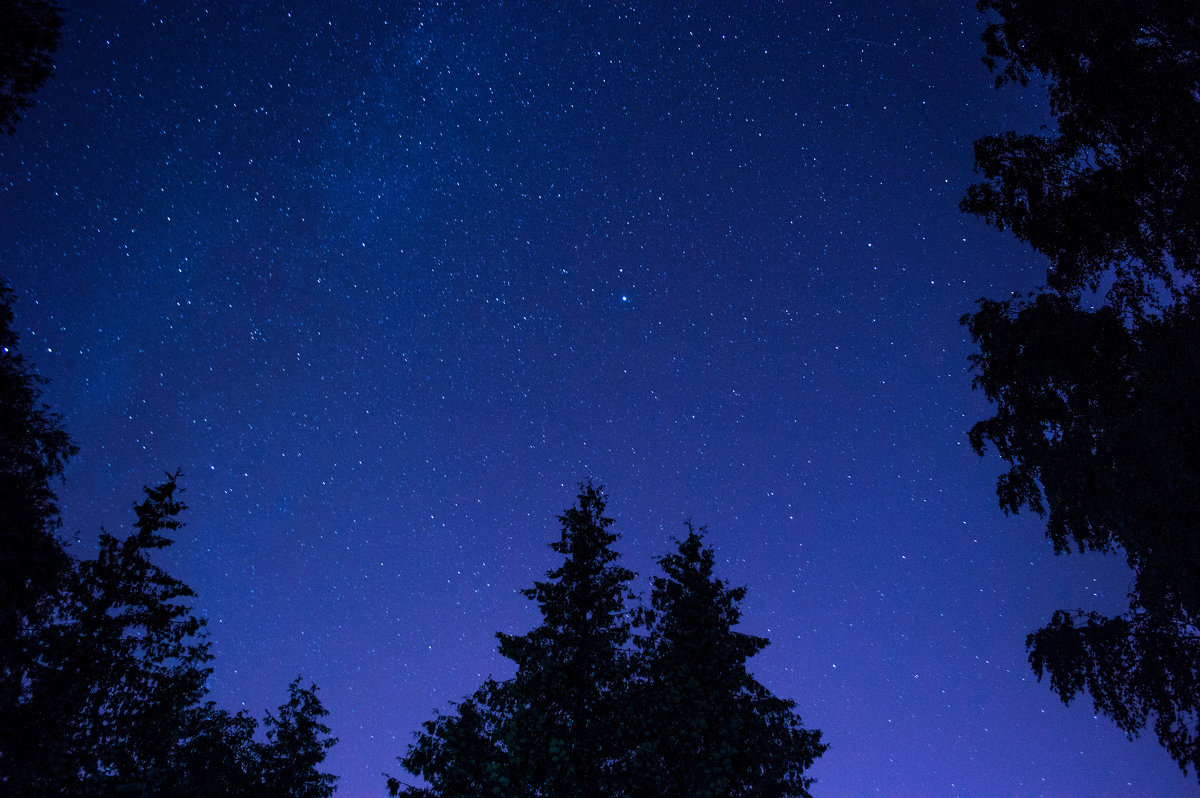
[
  {"x": 616, "y": 698},
  {"x": 104, "y": 665}
]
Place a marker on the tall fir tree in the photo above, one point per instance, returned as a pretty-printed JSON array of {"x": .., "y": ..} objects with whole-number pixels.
[
  {"x": 708, "y": 728},
  {"x": 594, "y": 711},
  {"x": 557, "y": 727},
  {"x": 567, "y": 698}
]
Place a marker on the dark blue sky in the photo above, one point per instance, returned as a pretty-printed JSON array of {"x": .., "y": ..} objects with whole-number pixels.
[{"x": 387, "y": 280}]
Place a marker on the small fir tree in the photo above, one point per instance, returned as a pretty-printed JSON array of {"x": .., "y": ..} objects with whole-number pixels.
[{"x": 297, "y": 741}]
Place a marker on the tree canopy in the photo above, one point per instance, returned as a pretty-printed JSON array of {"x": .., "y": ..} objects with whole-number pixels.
[
  {"x": 1111, "y": 196},
  {"x": 611, "y": 698},
  {"x": 34, "y": 449},
  {"x": 103, "y": 661},
  {"x": 115, "y": 700},
  {"x": 29, "y": 38},
  {"x": 1095, "y": 376}
]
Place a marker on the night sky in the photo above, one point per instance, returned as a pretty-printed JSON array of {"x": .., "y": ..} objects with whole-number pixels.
[{"x": 388, "y": 280}]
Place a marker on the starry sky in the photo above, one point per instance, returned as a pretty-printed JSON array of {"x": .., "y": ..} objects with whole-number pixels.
[{"x": 387, "y": 280}]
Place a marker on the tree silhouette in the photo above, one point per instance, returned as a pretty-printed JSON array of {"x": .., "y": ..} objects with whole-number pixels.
[
  {"x": 1095, "y": 377},
  {"x": 462, "y": 753},
  {"x": 589, "y": 712},
  {"x": 33, "y": 564},
  {"x": 563, "y": 730},
  {"x": 115, "y": 701},
  {"x": 220, "y": 756},
  {"x": 553, "y": 729},
  {"x": 709, "y": 728},
  {"x": 122, "y": 666},
  {"x": 297, "y": 741},
  {"x": 28, "y": 39},
  {"x": 103, "y": 663},
  {"x": 1110, "y": 195}
]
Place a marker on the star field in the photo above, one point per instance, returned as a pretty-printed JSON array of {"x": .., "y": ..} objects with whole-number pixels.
[{"x": 387, "y": 280}]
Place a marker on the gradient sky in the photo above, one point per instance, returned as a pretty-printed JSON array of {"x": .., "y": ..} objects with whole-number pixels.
[{"x": 387, "y": 280}]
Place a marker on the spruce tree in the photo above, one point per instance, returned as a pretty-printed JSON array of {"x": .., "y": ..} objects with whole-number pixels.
[
  {"x": 115, "y": 702},
  {"x": 297, "y": 740},
  {"x": 593, "y": 712},
  {"x": 555, "y": 728},
  {"x": 103, "y": 664},
  {"x": 709, "y": 729},
  {"x": 121, "y": 669},
  {"x": 572, "y": 670}
]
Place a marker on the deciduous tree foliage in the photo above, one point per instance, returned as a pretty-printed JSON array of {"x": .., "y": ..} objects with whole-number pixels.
[
  {"x": 29, "y": 36},
  {"x": 1112, "y": 195},
  {"x": 591, "y": 712},
  {"x": 1095, "y": 378}
]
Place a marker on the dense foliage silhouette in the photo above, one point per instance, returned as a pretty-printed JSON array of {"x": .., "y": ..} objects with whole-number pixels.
[
  {"x": 104, "y": 663},
  {"x": 29, "y": 37},
  {"x": 1095, "y": 376},
  {"x": 34, "y": 448},
  {"x": 613, "y": 699}
]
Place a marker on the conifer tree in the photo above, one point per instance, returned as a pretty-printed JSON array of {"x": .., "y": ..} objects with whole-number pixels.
[
  {"x": 297, "y": 740},
  {"x": 553, "y": 729},
  {"x": 121, "y": 669},
  {"x": 115, "y": 701},
  {"x": 219, "y": 756},
  {"x": 461, "y": 753},
  {"x": 593, "y": 712},
  {"x": 34, "y": 449},
  {"x": 709, "y": 728},
  {"x": 103, "y": 664},
  {"x": 572, "y": 670}
]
